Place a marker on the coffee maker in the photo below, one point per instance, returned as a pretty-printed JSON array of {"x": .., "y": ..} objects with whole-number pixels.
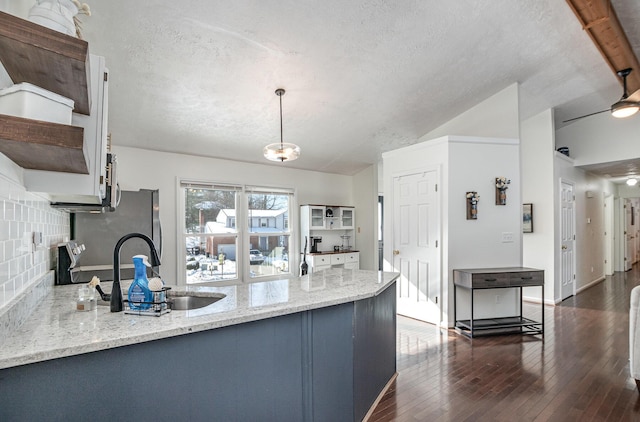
[{"x": 314, "y": 243}]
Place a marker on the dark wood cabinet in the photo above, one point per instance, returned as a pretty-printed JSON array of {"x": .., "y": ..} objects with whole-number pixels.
[
  {"x": 497, "y": 278},
  {"x": 56, "y": 62}
]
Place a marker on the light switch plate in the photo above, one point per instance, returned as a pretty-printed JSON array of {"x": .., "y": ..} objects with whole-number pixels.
[{"x": 507, "y": 237}]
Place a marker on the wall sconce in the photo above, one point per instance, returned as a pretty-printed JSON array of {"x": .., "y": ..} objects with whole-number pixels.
[
  {"x": 472, "y": 205},
  {"x": 501, "y": 190}
]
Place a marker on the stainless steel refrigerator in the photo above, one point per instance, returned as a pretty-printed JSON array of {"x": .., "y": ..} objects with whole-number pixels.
[{"x": 137, "y": 212}]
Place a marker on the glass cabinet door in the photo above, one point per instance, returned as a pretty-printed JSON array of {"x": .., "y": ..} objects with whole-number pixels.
[
  {"x": 316, "y": 216},
  {"x": 347, "y": 218}
]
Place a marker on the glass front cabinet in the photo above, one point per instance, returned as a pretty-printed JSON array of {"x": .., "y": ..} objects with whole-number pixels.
[
  {"x": 347, "y": 218},
  {"x": 316, "y": 217}
]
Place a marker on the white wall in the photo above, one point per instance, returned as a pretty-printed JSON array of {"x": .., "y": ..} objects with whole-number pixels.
[
  {"x": 18, "y": 8},
  {"x": 537, "y": 162},
  {"x": 495, "y": 117},
  {"x": 473, "y": 166},
  {"x": 365, "y": 192},
  {"x": 600, "y": 139},
  {"x": 143, "y": 169},
  {"x": 466, "y": 164}
]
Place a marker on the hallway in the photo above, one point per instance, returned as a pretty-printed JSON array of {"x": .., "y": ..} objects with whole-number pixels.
[{"x": 579, "y": 372}]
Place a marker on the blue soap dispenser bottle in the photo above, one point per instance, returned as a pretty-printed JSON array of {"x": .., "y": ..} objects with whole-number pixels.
[{"x": 140, "y": 297}]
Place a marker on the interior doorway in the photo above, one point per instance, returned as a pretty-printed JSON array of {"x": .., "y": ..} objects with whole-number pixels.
[
  {"x": 608, "y": 234},
  {"x": 416, "y": 252},
  {"x": 567, "y": 239}
]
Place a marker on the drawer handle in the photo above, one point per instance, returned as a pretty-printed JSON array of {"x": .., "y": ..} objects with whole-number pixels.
[
  {"x": 490, "y": 279},
  {"x": 526, "y": 278}
]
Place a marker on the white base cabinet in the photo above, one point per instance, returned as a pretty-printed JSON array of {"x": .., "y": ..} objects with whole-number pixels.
[{"x": 347, "y": 260}]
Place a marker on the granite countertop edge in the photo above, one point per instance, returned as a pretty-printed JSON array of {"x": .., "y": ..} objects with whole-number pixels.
[{"x": 74, "y": 333}]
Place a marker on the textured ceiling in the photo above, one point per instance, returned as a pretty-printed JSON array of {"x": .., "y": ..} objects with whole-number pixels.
[{"x": 361, "y": 77}]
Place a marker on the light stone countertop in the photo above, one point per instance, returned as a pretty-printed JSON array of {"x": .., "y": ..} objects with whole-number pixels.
[{"x": 56, "y": 329}]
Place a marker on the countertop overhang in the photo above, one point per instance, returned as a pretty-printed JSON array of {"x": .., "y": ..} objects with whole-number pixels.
[{"x": 56, "y": 329}]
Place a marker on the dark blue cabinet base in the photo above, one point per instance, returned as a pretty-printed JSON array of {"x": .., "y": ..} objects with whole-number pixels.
[{"x": 319, "y": 365}]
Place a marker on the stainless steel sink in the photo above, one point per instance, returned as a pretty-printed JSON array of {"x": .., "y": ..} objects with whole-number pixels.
[{"x": 185, "y": 303}]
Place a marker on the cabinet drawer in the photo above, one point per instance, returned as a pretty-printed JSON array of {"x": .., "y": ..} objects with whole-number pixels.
[
  {"x": 315, "y": 268},
  {"x": 352, "y": 266},
  {"x": 337, "y": 258},
  {"x": 489, "y": 280},
  {"x": 321, "y": 260},
  {"x": 526, "y": 278},
  {"x": 352, "y": 257}
]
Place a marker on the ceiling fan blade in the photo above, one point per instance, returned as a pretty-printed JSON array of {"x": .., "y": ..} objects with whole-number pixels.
[
  {"x": 635, "y": 97},
  {"x": 586, "y": 115}
]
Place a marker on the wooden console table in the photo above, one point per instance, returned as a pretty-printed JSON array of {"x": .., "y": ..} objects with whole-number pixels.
[{"x": 497, "y": 278}]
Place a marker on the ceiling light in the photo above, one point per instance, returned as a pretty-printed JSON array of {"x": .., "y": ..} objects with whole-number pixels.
[
  {"x": 281, "y": 151},
  {"x": 632, "y": 182},
  {"x": 624, "y": 108}
]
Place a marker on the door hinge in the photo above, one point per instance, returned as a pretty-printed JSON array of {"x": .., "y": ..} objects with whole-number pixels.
[
  {"x": 436, "y": 300},
  {"x": 574, "y": 237},
  {"x": 436, "y": 187},
  {"x": 106, "y": 77},
  {"x": 574, "y": 276},
  {"x": 436, "y": 243}
]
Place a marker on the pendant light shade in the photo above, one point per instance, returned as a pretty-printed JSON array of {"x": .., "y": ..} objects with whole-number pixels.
[{"x": 281, "y": 151}]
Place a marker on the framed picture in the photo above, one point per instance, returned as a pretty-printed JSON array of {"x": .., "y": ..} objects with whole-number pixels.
[{"x": 527, "y": 218}]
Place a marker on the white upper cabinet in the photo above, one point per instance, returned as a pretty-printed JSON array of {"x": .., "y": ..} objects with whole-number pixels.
[
  {"x": 316, "y": 217},
  {"x": 347, "y": 218}
]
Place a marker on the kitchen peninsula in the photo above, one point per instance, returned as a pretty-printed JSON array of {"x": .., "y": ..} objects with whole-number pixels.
[{"x": 317, "y": 347}]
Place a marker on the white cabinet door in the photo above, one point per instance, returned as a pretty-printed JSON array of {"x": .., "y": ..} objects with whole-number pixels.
[
  {"x": 352, "y": 261},
  {"x": 316, "y": 217},
  {"x": 347, "y": 218}
]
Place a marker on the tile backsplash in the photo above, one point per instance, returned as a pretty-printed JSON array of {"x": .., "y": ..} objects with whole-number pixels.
[{"x": 21, "y": 214}]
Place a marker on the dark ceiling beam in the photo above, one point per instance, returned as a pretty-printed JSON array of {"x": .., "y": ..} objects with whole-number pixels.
[{"x": 599, "y": 20}]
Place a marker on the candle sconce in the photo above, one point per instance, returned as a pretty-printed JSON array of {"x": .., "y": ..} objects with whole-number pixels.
[
  {"x": 472, "y": 205},
  {"x": 501, "y": 190}
]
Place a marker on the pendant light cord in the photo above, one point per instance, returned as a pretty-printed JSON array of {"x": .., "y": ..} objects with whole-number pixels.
[{"x": 280, "y": 95}]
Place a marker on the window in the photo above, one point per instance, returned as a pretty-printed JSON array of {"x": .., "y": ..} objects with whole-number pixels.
[
  {"x": 212, "y": 237},
  {"x": 269, "y": 230}
]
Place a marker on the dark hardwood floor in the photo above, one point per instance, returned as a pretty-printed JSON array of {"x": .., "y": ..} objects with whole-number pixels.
[{"x": 578, "y": 372}]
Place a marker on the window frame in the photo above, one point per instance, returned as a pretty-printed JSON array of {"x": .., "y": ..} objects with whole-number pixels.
[{"x": 242, "y": 231}]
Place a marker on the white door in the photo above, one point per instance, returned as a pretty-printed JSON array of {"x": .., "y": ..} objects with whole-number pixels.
[
  {"x": 568, "y": 239},
  {"x": 416, "y": 252},
  {"x": 628, "y": 235}
]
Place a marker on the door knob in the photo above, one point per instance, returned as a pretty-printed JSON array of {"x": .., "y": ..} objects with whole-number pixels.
[
  {"x": 396, "y": 252},
  {"x": 564, "y": 247}
]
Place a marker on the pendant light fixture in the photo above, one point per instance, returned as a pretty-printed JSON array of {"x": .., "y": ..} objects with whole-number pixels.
[{"x": 281, "y": 151}]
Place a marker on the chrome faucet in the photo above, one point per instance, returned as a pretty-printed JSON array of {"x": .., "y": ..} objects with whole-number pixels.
[{"x": 115, "y": 302}]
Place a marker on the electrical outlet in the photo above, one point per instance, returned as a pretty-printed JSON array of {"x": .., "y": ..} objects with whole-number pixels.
[
  {"x": 507, "y": 237},
  {"x": 37, "y": 238}
]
